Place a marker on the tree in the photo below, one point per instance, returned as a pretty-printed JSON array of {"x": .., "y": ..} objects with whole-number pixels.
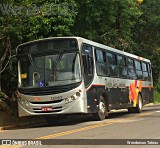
[
  {"x": 108, "y": 22},
  {"x": 5, "y": 42},
  {"x": 53, "y": 18},
  {"x": 147, "y": 34}
]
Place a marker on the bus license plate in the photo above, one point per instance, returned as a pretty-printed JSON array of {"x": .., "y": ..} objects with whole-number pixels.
[{"x": 46, "y": 109}]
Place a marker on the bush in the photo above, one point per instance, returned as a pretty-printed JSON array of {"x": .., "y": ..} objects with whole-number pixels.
[{"x": 156, "y": 96}]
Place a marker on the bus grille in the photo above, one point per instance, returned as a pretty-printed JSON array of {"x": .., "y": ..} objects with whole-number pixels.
[{"x": 47, "y": 102}]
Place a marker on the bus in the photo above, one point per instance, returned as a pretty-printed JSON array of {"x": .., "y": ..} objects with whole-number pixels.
[{"x": 72, "y": 75}]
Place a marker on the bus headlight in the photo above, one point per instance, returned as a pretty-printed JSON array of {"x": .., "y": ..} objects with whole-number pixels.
[
  {"x": 73, "y": 97},
  {"x": 24, "y": 102},
  {"x": 78, "y": 94},
  {"x": 70, "y": 99}
]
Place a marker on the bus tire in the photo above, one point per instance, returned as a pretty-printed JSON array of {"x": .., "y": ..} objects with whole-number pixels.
[
  {"x": 102, "y": 110},
  {"x": 139, "y": 106}
]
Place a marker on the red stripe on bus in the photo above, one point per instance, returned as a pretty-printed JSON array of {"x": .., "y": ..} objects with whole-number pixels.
[
  {"x": 143, "y": 87},
  {"x": 147, "y": 87},
  {"x": 94, "y": 85},
  {"x": 104, "y": 85}
]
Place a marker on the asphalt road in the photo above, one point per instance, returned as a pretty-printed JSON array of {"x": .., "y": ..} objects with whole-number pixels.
[{"x": 81, "y": 131}]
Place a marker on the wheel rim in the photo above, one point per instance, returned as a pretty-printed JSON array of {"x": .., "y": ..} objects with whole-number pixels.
[
  {"x": 102, "y": 108},
  {"x": 140, "y": 103}
]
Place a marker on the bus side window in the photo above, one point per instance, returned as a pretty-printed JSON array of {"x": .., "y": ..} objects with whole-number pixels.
[
  {"x": 101, "y": 65},
  {"x": 149, "y": 67},
  {"x": 149, "y": 72},
  {"x": 87, "y": 56},
  {"x": 145, "y": 71},
  {"x": 138, "y": 68},
  {"x": 122, "y": 66},
  {"x": 99, "y": 56},
  {"x": 131, "y": 70},
  {"x": 112, "y": 61}
]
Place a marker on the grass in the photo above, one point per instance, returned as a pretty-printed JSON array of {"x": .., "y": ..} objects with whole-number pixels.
[{"x": 156, "y": 97}]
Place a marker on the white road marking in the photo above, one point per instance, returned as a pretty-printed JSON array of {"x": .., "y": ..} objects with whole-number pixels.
[{"x": 158, "y": 111}]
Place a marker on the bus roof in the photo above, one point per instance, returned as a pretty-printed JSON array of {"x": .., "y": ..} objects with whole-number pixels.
[{"x": 83, "y": 40}]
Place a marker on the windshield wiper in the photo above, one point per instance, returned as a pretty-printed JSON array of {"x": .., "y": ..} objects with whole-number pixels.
[
  {"x": 33, "y": 62},
  {"x": 58, "y": 59}
]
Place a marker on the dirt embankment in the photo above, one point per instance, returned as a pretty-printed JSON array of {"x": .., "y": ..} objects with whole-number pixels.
[{"x": 8, "y": 110}]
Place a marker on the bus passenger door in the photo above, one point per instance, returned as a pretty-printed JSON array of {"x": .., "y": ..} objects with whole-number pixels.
[
  {"x": 87, "y": 57},
  {"x": 123, "y": 79},
  {"x": 88, "y": 73}
]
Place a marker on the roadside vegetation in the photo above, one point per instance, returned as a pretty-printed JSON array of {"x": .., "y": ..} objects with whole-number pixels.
[{"x": 156, "y": 97}]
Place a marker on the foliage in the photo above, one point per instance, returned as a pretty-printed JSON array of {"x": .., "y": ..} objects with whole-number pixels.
[
  {"x": 52, "y": 19},
  {"x": 108, "y": 22},
  {"x": 148, "y": 34},
  {"x": 156, "y": 96}
]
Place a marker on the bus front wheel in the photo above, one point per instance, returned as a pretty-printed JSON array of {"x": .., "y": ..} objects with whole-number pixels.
[{"x": 102, "y": 110}]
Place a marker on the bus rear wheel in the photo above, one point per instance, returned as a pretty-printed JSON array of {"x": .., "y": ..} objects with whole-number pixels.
[
  {"x": 102, "y": 110},
  {"x": 139, "y": 106}
]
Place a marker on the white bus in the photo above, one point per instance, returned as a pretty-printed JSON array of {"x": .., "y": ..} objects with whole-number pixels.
[{"x": 72, "y": 75}]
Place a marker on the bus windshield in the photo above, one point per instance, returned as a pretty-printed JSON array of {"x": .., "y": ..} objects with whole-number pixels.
[{"x": 49, "y": 70}]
